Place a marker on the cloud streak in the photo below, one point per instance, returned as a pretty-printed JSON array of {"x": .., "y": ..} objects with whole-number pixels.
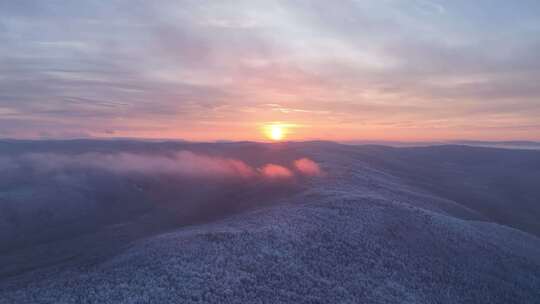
[{"x": 182, "y": 163}]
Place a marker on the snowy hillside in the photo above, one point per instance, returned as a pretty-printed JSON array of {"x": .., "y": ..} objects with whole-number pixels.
[{"x": 314, "y": 222}]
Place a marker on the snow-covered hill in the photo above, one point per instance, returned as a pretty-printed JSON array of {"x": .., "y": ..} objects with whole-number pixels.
[{"x": 315, "y": 222}]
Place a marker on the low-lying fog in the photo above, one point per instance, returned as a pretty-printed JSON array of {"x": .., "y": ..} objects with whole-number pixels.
[{"x": 54, "y": 194}]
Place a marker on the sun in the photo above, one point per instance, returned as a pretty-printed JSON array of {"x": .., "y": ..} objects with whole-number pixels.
[{"x": 275, "y": 132}]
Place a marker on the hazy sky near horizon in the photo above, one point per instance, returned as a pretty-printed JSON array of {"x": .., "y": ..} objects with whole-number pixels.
[{"x": 210, "y": 70}]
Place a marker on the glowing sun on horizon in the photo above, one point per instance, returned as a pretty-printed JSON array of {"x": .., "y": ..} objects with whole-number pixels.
[{"x": 275, "y": 132}]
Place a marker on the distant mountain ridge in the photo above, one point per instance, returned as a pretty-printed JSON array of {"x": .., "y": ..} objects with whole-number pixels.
[{"x": 517, "y": 144}]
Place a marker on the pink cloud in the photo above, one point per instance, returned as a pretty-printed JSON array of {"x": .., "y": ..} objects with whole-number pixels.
[
  {"x": 183, "y": 163},
  {"x": 275, "y": 171},
  {"x": 307, "y": 167}
]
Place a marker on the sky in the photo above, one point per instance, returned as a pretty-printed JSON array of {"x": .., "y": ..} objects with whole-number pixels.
[{"x": 407, "y": 70}]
